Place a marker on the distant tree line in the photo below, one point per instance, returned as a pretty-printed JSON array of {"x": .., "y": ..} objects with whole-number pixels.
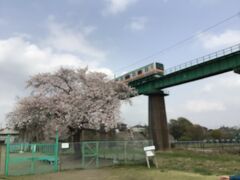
[{"x": 183, "y": 130}]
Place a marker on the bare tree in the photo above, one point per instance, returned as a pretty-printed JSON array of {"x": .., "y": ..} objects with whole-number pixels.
[{"x": 70, "y": 100}]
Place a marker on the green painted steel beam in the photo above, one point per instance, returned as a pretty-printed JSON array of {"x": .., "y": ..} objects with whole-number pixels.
[{"x": 215, "y": 66}]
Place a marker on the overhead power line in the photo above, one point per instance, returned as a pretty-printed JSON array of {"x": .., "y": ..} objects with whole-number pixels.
[{"x": 181, "y": 41}]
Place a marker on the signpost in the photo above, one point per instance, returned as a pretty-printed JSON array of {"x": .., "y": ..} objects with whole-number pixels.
[{"x": 150, "y": 153}]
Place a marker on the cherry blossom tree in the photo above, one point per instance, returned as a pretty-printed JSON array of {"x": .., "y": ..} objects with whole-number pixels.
[{"x": 69, "y": 100}]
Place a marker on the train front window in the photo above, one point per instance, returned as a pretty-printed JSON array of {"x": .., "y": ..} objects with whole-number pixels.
[
  {"x": 127, "y": 77},
  {"x": 159, "y": 66}
]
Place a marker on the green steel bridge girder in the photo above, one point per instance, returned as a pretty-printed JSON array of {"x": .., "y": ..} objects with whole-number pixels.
[{"x": 230, "y": 62}]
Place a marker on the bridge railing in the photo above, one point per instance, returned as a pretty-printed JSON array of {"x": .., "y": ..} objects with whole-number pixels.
[{"x": 203, "y": 59}]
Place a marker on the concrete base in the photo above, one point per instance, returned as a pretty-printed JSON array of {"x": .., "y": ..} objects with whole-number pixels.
[{"x": 158, "y": 126}]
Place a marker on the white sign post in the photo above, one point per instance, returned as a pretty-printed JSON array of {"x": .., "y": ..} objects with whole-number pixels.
[{"x": 150, "y": 153}]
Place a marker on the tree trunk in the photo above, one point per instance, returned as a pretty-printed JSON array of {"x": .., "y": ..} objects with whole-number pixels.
[{"x": 77, "y": 143}]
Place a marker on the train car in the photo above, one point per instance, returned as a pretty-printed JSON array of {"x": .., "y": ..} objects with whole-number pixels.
[{"x": 145, "y": 71}]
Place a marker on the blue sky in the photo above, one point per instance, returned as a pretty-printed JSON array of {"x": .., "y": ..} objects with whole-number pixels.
[{"x": 107, "y": 35}]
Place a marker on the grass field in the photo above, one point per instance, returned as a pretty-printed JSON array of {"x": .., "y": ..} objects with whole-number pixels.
[{"x": 200, "y": 162}]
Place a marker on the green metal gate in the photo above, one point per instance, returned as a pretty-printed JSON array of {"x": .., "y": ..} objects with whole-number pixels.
[
  {"x": 34, "y": 158},
  {"x": 90, "y": 154}
]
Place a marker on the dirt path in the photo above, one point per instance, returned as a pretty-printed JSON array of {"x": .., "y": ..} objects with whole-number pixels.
[{"x": 131, "y": 173}]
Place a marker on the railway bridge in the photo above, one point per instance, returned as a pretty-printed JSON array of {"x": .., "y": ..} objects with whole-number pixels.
[{"x": 153, "y": 86}]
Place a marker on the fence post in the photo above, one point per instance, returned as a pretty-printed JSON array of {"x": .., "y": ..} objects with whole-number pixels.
[
  {"x": 97, "y": 154},
  {"x": 7, "y": 155},
  {"x": 56, "y": 152},
  {"x": 83, "y": 154},
  {"x": 125, "y": 152},
  {"x": 32, "y": 160}
]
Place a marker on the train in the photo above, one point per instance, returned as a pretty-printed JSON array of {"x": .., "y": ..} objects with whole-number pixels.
[{"x": 154, "y": 68}]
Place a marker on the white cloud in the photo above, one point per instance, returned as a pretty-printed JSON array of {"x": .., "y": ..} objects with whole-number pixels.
[
  {"x": 137, "y": 112},
  {"x": 230, "y": 82},
  {"x": 227, "y": 82},
  {"x": 20, "y": 58},
  {"x": 89, "y": 29},
  {"x": 32, "y": 57},
  {"x": 72, "y": 40},
  {"x": 199, "y": 106},
  {"x": 216, "y": 41},
  {"x": 117, "y": 6},
  {"x": 208, "y": 88},
  {"x": 138, "y": 23}
]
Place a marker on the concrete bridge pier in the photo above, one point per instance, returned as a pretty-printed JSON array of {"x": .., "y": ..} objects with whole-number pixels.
[{"x": 158, "y": 126}]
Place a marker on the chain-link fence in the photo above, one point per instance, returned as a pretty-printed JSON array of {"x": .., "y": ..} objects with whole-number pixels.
[
  {"x": 26, "y": 158},
  {"x": 94, "y": 154}
]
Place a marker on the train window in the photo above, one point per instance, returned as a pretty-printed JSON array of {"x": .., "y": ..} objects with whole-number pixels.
[
  {"x": 151, "y": 67},
  {"x": 139, "y": 72},
  {"x": 146, "y": 69},
  {"x": 133, "y": 74},
  {"x": 159, "y": 66},
  {"x": 127, "y": 77}
]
